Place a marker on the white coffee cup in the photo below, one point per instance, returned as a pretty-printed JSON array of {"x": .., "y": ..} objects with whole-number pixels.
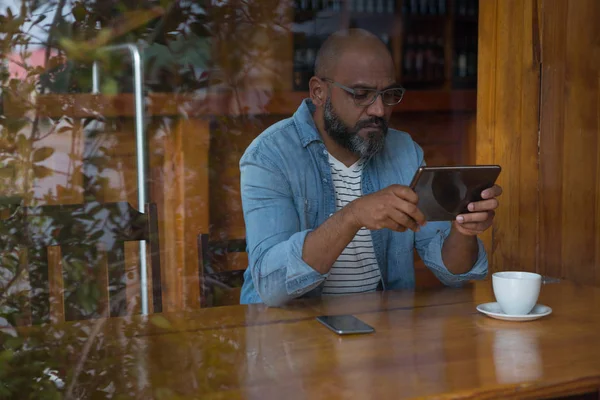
[{"x": 516, "y": 292}]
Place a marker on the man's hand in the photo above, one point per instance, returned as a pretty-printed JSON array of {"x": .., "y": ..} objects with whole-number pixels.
[
  {"x": 481, "y": 214},
  {"x": 394, "y": 207}
]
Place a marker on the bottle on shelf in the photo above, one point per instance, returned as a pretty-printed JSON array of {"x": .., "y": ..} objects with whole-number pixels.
[
  {"x": 414, "y": 7},
  {"x": 472, "y": 8},
  {"x": 391, "y": 6},
  {"x": 433, "y": 7},
  {"x": 409, "y": 58},
  {"x": 303, "y": 63},
  {"x": 420, "y": 58},
  {"x": 298, "y": 68},
  {"x": 370, "y": 6},
  {"x": 472, "y": 57},
  {"x": 310, "y": 57},
  {"x": 441, "y": 59},
  {"x": 405, "y": 8},
  {"x": 359, "y": 6},
  {"x": 441, "y": 7},
  {"x": 461, "y": 7},
  {"x": 430, "y": 59},
  {"x": 380, "y": 9},
  {"x": 424, "y": 7},
  {"x": 461, "y": 58}
]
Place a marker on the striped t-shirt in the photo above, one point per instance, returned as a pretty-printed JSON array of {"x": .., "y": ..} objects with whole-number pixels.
[{"x": 356, "y": 269}]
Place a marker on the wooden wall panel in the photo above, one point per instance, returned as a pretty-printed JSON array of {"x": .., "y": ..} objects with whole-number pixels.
[
  {"x": 486, "y": 86},
  {"x": 538, "y": 113},
  {"x": 507, "y": 125},
  {"x": 569, "y": 141},
  {"x": 554, "y": 25},
  {"x": 597, "y": 235},
  {"x": 527, "y": 139}
]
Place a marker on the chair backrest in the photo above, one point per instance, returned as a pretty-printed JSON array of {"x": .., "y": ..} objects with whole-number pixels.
[
  {"x": 219, "y": 287},
  {"x": 84, "y": 233}
]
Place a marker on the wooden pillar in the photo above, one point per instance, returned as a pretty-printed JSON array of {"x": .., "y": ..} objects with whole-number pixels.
[
  {"x": 570, "y": 140},
  {"x": 507, "y": 125},
  {"x": 183, "y": 212}
]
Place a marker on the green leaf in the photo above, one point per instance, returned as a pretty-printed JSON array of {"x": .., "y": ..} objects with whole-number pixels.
[
  {"x": 79, "y": 12},
  {"x": 69, "y": 45},
  {"x": 110, "y": 87},
  {"x": 5, "y": 357},
  {"x": 42, "y": 154},
  {"x": 23, "y": 144},
  {"x": 7, "y": 171},
  {"x": 40, "y": 171},
  {"x": 161, "y": 322}
]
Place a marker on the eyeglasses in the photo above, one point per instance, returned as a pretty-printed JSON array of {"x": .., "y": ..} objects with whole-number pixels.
[{"x": 366, "y": 97}]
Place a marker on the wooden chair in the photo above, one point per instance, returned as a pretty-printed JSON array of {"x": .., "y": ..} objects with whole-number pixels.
[
  {"x": 78, "y": 230},
  {"x": 219, "y": 287}
]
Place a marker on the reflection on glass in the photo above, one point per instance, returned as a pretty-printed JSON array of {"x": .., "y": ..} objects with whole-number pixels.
[
  {"x": 216, "y": 73},
  {"x": 269, "y": 359},
  {"x": 517, "y": 356}
]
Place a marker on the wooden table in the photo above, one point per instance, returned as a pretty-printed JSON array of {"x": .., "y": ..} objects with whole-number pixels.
[{"x": 426, "y": 344}]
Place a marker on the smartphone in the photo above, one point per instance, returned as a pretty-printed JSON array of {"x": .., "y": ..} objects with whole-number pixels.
[
  {"x": 445, "y": 192},
  {"x": 345, "y": 324}
]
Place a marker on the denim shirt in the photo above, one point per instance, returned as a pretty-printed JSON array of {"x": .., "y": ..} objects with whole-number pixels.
[{"x": 287, "y": 192}]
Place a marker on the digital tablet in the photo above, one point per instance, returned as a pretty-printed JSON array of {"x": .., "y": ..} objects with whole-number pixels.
[{"x": 445, "y": 192}]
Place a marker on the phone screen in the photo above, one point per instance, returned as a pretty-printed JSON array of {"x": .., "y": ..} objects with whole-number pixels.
[{"x": 345, "y": 324}]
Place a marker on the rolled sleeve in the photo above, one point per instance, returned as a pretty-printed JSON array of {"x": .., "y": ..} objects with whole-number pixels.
[
  {"x": 273, "y": 234},
  {"x": 430, "y": 250},
  {"x": 282, "y": 275},
  {"x": 300, "y": 277}
]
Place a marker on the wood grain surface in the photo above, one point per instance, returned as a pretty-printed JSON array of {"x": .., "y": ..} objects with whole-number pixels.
[
  {"x": 427, "y": 344},
  {"x": 538, "y": 117}
]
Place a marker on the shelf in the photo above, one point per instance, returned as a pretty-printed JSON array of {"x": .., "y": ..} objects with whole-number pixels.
[
  {"x": 425, "y": 17},
  {"x": 465, "y": 18},
  {"x": 171, "y": 104},
  {"x": 414, "y": 101},
  {"x": 438, "y": 100},
  {"x": 466, "y": 82},
  {"x": 414, "y": 84},
  {"x": 367, "y": 15}
]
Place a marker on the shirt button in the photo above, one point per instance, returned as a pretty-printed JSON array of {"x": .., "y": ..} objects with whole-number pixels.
[
  {"x": 331, "y": 214},
  {"x": 325, "y": 152},
  {"x": 324, "y": 180}
]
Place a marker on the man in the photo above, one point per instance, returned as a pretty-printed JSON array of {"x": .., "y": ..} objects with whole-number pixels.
[{"x": 325, "y": 196}]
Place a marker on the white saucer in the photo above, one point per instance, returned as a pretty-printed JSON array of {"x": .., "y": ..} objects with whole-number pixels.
[{"x": 493, "y": 310}]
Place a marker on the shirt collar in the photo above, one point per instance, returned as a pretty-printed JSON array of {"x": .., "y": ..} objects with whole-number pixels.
[{"x": 303, "y": 118}]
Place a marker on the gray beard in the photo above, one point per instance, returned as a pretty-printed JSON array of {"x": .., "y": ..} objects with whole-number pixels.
[{"x": 349, "y": 138}]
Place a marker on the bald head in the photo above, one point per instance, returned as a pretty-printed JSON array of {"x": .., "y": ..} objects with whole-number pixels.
[{"x": 341, "y": 42}]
